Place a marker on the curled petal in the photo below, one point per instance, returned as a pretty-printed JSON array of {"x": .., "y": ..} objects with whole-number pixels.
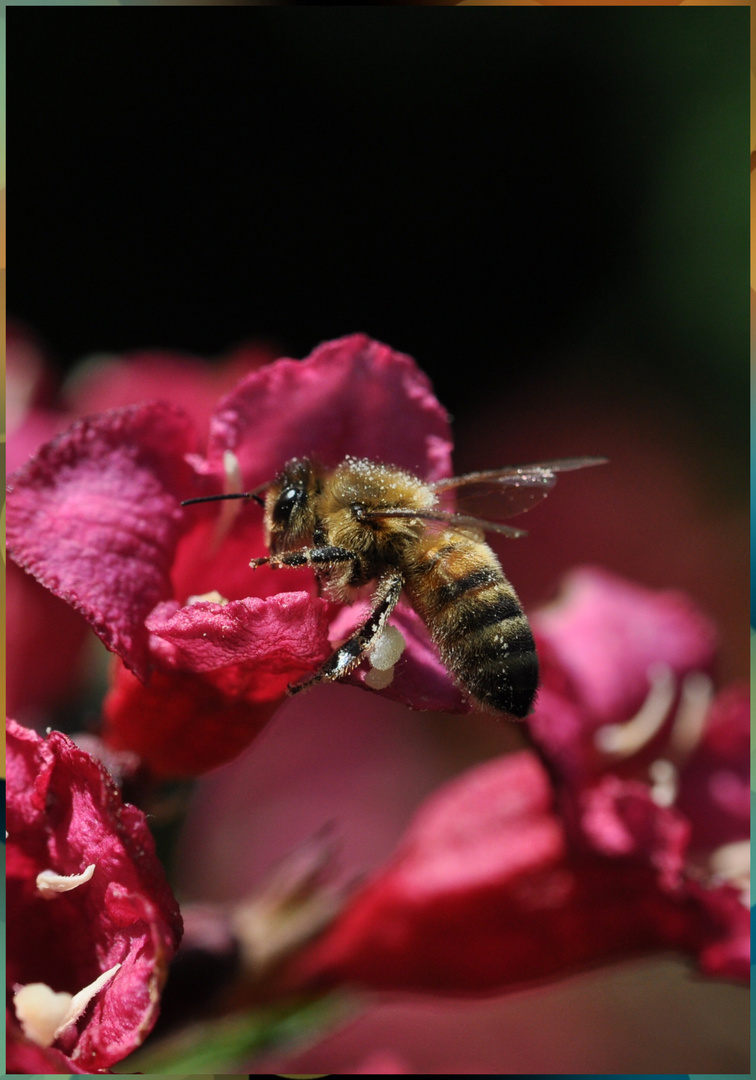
[
  {"x": 220, "y": 673},
  {"x": 619, "y": 817},
  {"x": 727, "y": 954},
  {"x": 715, "y": 790}
]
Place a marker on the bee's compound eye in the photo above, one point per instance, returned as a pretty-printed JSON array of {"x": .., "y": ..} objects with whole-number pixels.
[{"x": 286, "y": 502}]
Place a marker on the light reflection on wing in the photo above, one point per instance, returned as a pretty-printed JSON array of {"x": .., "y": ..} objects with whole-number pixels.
[{"x": 497, "y": 494}]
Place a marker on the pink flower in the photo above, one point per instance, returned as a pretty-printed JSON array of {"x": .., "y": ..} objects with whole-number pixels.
[
  {"x": 96, "y": 517},
  {"x": 95, "y": 922}
]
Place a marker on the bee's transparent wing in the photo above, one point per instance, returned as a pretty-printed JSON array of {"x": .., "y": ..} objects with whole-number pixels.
[
  {"x": 483, "y": 500},
  {"x": 439, "y": 519},
  {"x": 497, "y": 494}
]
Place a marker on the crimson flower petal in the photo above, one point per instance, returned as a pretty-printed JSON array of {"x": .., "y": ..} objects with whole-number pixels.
[
  {"x": 203, "y": 566},
  {"x": 65, "y": 815},
  {"x": 95, "y": 518}
]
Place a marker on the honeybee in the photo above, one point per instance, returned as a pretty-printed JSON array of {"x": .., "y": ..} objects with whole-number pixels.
[{"x": 364, "y": 522}]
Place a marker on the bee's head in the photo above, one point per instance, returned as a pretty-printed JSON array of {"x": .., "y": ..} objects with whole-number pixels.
[{"x": 289, "y": 510}]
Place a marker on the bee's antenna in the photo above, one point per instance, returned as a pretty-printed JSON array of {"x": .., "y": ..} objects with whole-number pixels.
[{"x": 216, "y": 498}]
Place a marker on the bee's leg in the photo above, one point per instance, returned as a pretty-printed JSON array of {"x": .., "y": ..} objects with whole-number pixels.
[
  {"x": 312, "y": 556},
  {"x": 348, "y": 655}
]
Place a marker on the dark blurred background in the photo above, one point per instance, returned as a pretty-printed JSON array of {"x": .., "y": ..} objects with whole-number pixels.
[{"x": 547, "y": 209}]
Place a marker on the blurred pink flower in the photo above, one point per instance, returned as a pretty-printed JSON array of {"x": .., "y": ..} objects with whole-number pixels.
[
  {"x": 489, "y": 892},
  {"x": 95, "y": 922},
  {"x": 192, "y": 384},
  {"x": 627, "y": 699},
  {"x": 631, "y": 841}
]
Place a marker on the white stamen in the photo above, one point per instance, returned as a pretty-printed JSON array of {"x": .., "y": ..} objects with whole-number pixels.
[
  {"x": 232, "y": 472},
  {"x": 80, "y": 1001},
  {"x": 213, "y": 597},
  {"x": 664, "y": 782},
  {"x": 229, "y": 510},
  {"x": 40, "y": 1011},
  {"x": 50, "y": 884},
  {"x": 44, "y": 1015},
  {"x": 623, "y": 740},
  {"x": 732, "y": 863},
  {"x": 696, "y": 695}
]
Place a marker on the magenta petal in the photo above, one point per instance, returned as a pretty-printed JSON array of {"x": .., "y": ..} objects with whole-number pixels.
[
  {"x": 94, "y": 516},
  {"x": 285, "y": 632},
  {"x": 350, "y": 396}
]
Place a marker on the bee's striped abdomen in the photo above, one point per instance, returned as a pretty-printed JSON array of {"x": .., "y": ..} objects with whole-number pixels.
[{"x": 477, "y": 623}]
